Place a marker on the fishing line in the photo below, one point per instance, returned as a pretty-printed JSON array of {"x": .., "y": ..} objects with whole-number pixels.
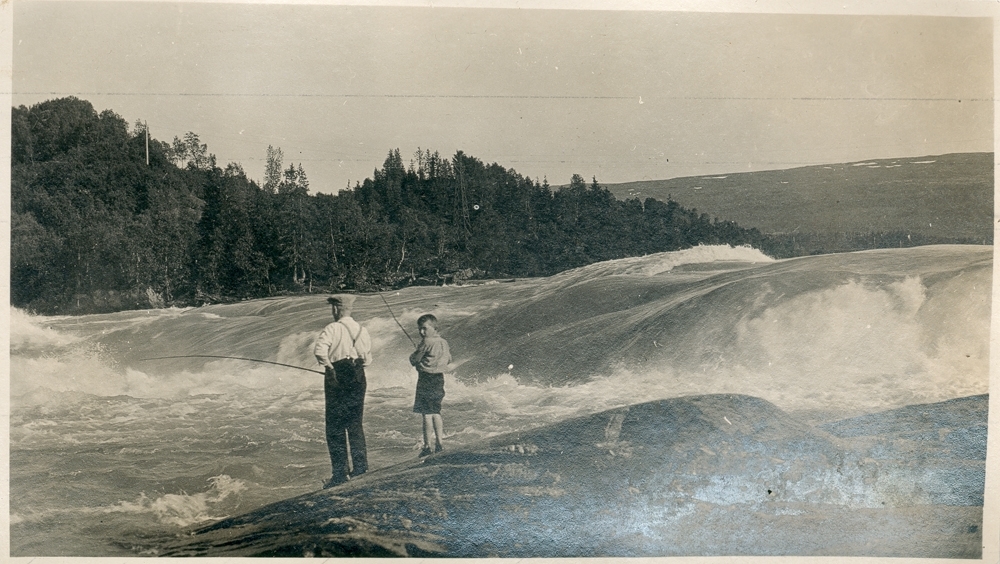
[
  {"x": 394, "y": 318},
  {"x": 232, "y": 358}
]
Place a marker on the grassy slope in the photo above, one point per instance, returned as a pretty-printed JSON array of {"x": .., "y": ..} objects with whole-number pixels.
[{"x": 951, "y": 197}]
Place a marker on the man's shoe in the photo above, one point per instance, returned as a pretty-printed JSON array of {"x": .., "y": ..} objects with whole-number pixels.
[
  {"x": 438, "y": 448},
  {"x": 334, "y": 482},
  {"x": 425, "y": 452}
]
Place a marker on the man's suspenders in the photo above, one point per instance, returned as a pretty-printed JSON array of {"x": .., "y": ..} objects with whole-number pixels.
[{"x": 356, "y": 362}]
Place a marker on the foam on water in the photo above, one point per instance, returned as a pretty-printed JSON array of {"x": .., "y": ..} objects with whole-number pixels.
[
  {"x": 822, "y": 340},
  {"x": 183, "y": 510},
  {"x": 177, "y": 510},
  {"x": 657, "y": 263},
  {"x": 26, "y": 333}
]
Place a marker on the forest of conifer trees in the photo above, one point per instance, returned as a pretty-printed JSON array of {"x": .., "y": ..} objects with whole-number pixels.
[{"x": 95, "y": 227}]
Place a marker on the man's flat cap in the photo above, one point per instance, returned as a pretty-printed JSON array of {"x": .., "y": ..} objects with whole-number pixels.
[{"x": 343, "y": 300}]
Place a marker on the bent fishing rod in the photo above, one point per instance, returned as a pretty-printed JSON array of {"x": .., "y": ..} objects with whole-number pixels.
[
  {"x": 232, "y": 358},
  {"x": 272, "y": 362},
  {"x": 394, "y": 318}
]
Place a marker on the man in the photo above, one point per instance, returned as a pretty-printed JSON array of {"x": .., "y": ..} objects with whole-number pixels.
[{"x": 344, "y": 349}]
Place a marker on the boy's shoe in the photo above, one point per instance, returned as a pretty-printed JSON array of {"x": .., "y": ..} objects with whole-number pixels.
[
  {"x": 425, "y": 452},
  {"x": 438, "y": 448}
]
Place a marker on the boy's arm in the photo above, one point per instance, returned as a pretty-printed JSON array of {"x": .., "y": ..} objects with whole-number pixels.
[
  {"x": 417, "y": 355},
  {"x": 447, "y": 354}
]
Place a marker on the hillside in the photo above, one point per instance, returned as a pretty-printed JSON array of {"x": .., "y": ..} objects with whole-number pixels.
[
  {"x": 945, "y": 198},
  {"x": 100, "y": 223}
]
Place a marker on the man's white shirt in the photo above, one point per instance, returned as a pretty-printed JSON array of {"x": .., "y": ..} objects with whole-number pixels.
[{"x": 335, "y": 342}]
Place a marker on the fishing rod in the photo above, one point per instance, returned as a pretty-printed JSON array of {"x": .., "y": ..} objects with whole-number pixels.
[
  {"x": 232, "y": 358},
  {"x": 394, "y": 318},
  {"x": 272, "y": 362}
]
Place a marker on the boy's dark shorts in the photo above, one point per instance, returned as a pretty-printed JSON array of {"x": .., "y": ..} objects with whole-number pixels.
[{"x": 430, "y": 392}]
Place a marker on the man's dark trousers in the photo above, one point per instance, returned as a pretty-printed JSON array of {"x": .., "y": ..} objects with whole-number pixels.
[{"x": 345, "y": 406}]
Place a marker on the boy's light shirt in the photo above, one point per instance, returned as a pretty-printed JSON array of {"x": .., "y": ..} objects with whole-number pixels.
[{"x": 432, "y": 355}]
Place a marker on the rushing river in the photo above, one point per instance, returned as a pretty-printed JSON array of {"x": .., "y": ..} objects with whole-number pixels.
[{"x": 110, "y": 451}]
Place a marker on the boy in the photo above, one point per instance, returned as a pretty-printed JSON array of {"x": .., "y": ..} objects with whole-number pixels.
[{"x": 431, "y": 360}]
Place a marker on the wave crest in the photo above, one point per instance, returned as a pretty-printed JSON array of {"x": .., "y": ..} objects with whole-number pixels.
[{"x": 183, "y": 510}]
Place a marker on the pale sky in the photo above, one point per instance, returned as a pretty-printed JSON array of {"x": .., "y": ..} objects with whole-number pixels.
[{"x": 618, "y": 95}]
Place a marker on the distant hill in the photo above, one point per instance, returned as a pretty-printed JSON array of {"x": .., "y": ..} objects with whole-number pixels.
[{"x": 940, "y": 198}]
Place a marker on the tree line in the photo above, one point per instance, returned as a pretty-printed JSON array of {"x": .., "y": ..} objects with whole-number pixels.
[{"x": 106, "y": 218}]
